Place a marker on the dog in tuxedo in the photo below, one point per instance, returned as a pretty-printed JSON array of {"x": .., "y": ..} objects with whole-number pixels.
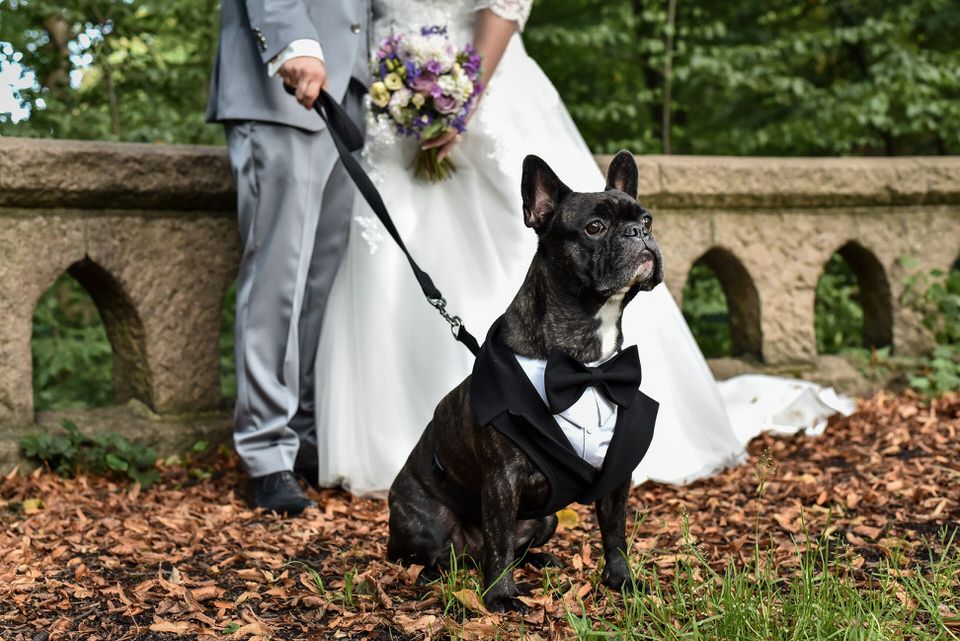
[{"x": 503, "y": 452}]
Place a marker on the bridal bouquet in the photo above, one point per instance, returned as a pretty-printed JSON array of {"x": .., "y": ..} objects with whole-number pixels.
[{"x": 426, "y": 86}]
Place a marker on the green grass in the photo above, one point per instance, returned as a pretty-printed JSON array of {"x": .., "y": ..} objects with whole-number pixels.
[
  {"x": 822, "y": 591},
  {"x": 824, "y": 596}
]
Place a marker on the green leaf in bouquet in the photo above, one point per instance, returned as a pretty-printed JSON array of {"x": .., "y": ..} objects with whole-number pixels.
[{"x": 434, "y": 129}]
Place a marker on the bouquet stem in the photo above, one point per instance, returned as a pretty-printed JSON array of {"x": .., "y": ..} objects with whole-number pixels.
[{"x": 427, "y": 166}]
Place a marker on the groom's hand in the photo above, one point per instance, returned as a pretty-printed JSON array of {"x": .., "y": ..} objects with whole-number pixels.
[{"x": 308, "y": 76}]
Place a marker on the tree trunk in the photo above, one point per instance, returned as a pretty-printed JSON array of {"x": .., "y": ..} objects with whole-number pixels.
[
  {"x": 650, "y": 75},
  {"x": 667, "y": 78},
  {"x": 115, "y": 125},
  {"x": 58, "y": 30}
]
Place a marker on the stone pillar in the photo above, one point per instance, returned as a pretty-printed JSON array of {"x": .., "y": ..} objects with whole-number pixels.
[
  {"x": 174, "y": 269},
  {"x": 35, "y": 248}
]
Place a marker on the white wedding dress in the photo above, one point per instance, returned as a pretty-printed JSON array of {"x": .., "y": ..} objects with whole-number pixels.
[{"x": 386, "y": 357}]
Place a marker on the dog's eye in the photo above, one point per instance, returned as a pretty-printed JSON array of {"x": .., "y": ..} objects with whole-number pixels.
[
  {"x": 595, "y": 228},
  {"x": 647, "y": 222}
]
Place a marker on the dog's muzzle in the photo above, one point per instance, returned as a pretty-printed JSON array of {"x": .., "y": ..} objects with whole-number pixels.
[{"x": 646, "y": 266}]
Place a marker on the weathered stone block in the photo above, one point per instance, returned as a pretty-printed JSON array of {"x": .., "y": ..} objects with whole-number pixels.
[
  {"x": 35, "y": 248},
  {"x": 174, "y": 271}
]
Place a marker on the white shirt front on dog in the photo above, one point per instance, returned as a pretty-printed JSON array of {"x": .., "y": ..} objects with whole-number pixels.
[{"x": 588, "y": 424}]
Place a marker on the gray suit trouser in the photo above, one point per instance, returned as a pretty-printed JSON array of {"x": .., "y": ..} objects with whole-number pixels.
[{"x": 294, "y": 201}]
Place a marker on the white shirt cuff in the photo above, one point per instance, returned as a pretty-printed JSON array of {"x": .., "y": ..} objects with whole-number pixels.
[{"x": 296, "y": 49}]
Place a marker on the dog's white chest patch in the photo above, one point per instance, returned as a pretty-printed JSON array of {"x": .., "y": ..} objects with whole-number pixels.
[{"x": 608, "y": 316}]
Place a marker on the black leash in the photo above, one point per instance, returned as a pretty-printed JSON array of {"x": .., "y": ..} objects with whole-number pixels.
[{"x": 348, "y": 138}]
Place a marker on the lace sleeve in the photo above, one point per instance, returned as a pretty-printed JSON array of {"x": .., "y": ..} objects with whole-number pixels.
[{"x": 518, "y": 10}]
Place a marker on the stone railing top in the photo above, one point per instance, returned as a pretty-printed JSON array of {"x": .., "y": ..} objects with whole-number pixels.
[
  {"x": 66, "y": 173},
  {"x": 112, "y": 175},
  {"x": 735, "y": 182}
]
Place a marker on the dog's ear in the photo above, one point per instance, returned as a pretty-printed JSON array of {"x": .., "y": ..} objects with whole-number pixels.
[
  {"x": 622, "y": 174},
  {"x": 542, "y": 191}
]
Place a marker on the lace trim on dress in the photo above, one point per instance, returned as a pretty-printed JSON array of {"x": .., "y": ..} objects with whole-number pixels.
[
  {"x": 518, "y": 10},
  {"x": 381, "y": 135}
]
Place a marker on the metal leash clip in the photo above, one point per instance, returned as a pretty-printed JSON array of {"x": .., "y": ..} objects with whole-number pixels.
[{"x": 455, "y": 321}]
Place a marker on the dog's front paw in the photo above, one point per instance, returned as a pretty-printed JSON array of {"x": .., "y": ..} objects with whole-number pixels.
[
  {"x": 616, "y": 576},
  {"x": 540, "y": 560},
  {"x": 506, "y": 604}
]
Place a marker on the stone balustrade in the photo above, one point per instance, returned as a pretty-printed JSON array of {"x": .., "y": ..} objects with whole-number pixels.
[{"x": 149, "y": 231}]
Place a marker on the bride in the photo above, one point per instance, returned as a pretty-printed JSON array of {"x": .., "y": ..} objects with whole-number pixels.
[{"x": 386, "y": 358}]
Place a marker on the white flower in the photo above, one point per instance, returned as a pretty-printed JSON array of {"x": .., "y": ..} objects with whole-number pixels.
[
  {"x": 400, "y": 99},
  {"x": 448, "y": 84},
  {"x": 423, "y": 49},
  {"x": 456, "y": 84}
]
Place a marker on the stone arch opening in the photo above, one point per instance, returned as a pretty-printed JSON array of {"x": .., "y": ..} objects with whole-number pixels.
[
  {"x": 108, "y": 342},
  {"x": 722, "y": 306},
  {"x": 228, "y": 359},
  {"x": 853, "y": 306},
  {"x": 950, "y": 329}
]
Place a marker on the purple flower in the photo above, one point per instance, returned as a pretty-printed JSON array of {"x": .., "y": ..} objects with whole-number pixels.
[
  {"x": 434, "y": 66},
  {"x": 446, "y": 104},
  {"x": 426, "y": 83},
  {"x": 420, "y": 123},
  {"x": 472, "y": 66},
  {"x": 412, "y": 71},
  {"x": 388, "y": 47}
]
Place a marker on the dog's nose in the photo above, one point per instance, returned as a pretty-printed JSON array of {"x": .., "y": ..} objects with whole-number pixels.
[{"x": 634, "y": 229}]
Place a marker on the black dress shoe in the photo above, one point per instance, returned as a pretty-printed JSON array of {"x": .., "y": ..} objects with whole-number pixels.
[{"x": 278, "y": 492}]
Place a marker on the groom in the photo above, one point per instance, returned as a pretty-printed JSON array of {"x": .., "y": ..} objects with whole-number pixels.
[{"x": 293, "y": 210}]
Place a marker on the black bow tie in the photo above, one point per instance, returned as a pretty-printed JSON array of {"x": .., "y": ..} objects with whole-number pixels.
[{"x": 566, "y": 379}]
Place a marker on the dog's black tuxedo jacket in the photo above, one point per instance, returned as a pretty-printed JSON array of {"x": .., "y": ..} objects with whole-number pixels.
[{"x": 503, "y": 396}]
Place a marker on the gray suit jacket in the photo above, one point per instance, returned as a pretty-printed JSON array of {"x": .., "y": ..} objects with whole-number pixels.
[{"x": 253, "y": 32}]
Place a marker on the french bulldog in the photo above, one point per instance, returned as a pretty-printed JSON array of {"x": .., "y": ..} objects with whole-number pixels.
[{"x": 468, "y": 487}]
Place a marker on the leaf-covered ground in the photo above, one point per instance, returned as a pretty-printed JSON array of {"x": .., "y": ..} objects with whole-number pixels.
[{"x": 88, "y": 559}]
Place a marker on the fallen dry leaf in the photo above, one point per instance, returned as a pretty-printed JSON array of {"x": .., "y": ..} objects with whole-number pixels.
[
  {"x": 470, "y": 600},
  {"x": 187, "y": 558},
  {"x": 567, "y": 518},
  {"x": 176, "y": 627}
]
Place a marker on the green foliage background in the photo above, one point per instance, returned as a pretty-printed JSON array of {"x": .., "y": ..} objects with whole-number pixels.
[
  {"x": 784, "y": 77},
  {"x": 705, "y": 310},
  {"x": 838, "y": 316},
  {"x": 72, "y": 360},
  {"x": 132, "y": 70}
]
